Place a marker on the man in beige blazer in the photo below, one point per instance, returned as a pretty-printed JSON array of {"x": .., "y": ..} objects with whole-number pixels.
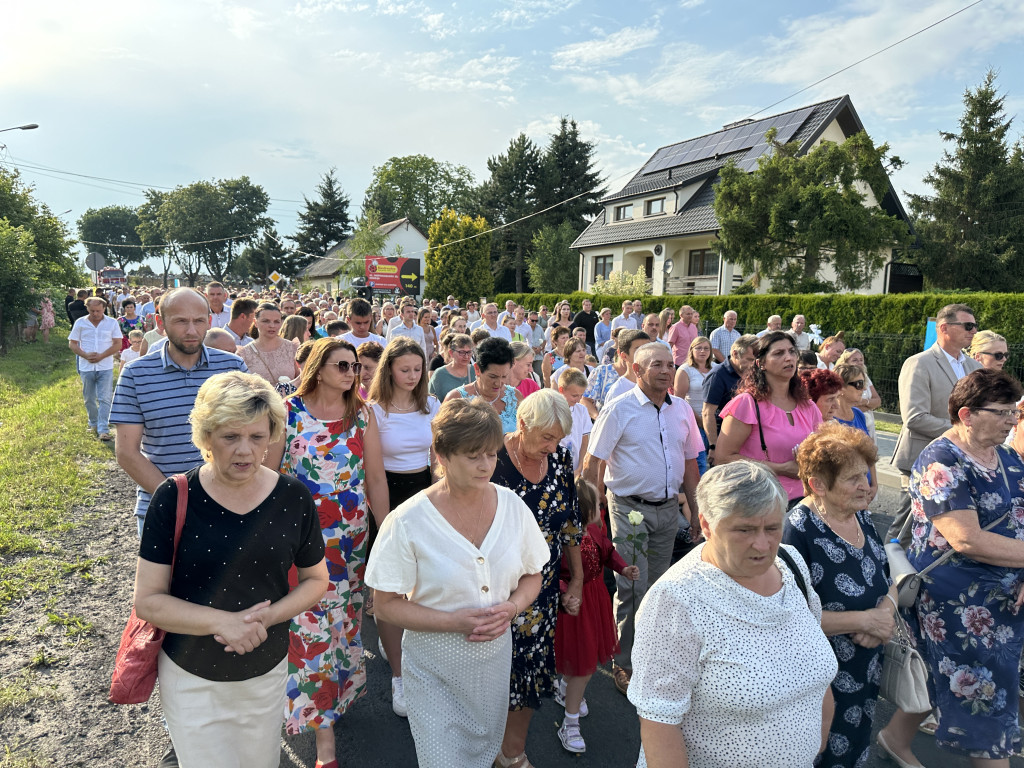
[{"x": 926, "y": 381}]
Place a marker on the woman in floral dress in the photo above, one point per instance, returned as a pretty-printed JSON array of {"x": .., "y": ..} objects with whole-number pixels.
[
  {"x": 539, "y": 470},
  {"x": 46, "y": 318},
  {"x": 969, "y": 628},
  {"x": 333, "y": 447}
]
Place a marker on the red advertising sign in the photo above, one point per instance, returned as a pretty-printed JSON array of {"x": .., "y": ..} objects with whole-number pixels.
[{"x": 395, "y": 274}]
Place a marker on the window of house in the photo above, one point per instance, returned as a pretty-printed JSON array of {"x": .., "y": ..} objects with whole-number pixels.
[
  {"x": 649, "y": 267},
  {"x": 624, "y": 212},
  {"x": 703, "y": 262},
  {"x": 653, "y": 207},
  {"x": 602, "y": 266}
]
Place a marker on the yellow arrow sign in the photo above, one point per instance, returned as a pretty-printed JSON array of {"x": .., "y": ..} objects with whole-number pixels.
[{"x": 409, "y": 277}]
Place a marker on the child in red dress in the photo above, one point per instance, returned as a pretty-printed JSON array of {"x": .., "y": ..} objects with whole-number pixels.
[{"x": 589, "y": 638}]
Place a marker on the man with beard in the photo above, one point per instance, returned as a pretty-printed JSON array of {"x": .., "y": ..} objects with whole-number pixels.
[{"x": 156, "y": 392}]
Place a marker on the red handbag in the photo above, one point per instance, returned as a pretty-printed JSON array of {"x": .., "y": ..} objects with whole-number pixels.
[{"x": 135, "y": 666}]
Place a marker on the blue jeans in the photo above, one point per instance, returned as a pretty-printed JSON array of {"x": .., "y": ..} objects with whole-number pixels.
[
  {"x": 97, "y": 388},
  {"x": 702, "y": 457}
]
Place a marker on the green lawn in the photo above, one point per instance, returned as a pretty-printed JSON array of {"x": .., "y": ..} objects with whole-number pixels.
[{"x": 48, "y": 462}]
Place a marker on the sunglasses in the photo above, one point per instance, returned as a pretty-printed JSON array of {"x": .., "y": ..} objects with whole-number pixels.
[
  {"x": 344, "y": 366},
  {"x": 859, "y": 384},
  {"x": 997, "y": 355},
  {"x": 967, "y": 326}
]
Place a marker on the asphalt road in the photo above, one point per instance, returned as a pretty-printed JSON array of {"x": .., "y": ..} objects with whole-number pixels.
[{"x": 371, "y": 735}]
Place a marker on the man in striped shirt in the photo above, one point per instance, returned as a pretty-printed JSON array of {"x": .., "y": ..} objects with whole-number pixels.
[{"x": 156, "y": 392}]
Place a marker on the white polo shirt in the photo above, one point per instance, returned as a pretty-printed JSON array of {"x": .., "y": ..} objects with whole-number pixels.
[{"x": 95, "y": 338}]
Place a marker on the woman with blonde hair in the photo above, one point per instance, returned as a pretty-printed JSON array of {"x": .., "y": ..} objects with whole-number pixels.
[
  {"x": 989, "y": 349},
  {"x": 689, "y": 383},
  {"x": 869, "y": 398},
  {"x": 403, "y": 410},
  {"x": 522, "y": 376},
  {"x": 331, "y": 444},
  {"x": 423, "y": 320},
  {"x": 294, "y": 328},
  {"x": 223, "y": 663}
]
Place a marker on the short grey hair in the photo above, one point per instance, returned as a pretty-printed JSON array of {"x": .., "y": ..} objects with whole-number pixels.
[
  {"x": 544, "y": 409},
  {"x": 744, "y": 488},
  {"x": 742, "y": 344},
  {"x": 647, "y": 351},
  {"x": 949, "y": 312}
]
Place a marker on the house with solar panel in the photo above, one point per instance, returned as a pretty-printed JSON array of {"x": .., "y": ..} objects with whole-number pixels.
[{"x": 663, "y": 219}]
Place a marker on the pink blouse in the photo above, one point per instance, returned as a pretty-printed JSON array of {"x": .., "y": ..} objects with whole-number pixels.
[{"x": 780, "y": 436}]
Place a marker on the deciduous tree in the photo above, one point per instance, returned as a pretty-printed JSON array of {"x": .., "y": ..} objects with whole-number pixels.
[
  {"x": 419, "y": 187},
  {"x": 151, "y": 233},
  {"x": 810, "y": 210},
  {"x": 116, "y": 224},
  {"x": 458, "y": 259},
  {"x": 972, "y": 229}
]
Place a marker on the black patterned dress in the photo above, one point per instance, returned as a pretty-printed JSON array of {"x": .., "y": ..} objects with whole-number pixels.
[
  {"x": 553, "y": 503},
  {"x": 846, "y": 578}
]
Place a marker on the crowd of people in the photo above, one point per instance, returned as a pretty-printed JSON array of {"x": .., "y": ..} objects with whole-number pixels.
[{"x": 463, "y": 476}]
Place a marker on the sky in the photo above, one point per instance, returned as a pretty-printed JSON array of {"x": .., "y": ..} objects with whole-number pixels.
[{"x": 167, "y": 92}]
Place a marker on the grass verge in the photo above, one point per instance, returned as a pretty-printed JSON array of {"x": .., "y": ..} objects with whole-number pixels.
[
  {"x": 48, "y": 464},
  {"x": 885, "y": 426}
]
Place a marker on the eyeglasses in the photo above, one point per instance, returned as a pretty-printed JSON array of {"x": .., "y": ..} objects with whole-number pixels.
[
  {"x": 464, "y": 352},
  {"x": 967, "y": 326},
  {"x": 859, "y": 384},
  {"x": 997, "y": 355},
  {"x": 1008, "y": 413},
  {"x": 344, "y": 366}
]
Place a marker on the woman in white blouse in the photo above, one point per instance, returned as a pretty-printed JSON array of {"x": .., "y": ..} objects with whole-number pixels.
[
  {"x": 689, "y": 383},
  {"x": 468, "y": 556},
  {"x": 403, "y": 411},
  {"x": 716, "y": 681}
]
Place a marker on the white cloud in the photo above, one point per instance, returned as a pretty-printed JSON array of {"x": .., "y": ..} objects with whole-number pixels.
[
  {"x": 436, "y": 71},
  {"x": 436, "y": 25},
  {"x": 361, "y": 59},
  {"x": 526, "y": 13},
  {"x": 592, "y": 53},
  {"x": 686, "y": 4},
  {"x": 241, "y": 21},
  {"x": 308, "y": 9}
]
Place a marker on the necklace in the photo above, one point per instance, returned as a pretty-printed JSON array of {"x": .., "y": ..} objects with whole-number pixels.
[
  {"x": 991, "y": 463},
  {"x": 519, "y": 462},
  {"x": 472, "y": 538},
  {"x": 858, "y": 539},
  {"x": 394, "y": 407}
]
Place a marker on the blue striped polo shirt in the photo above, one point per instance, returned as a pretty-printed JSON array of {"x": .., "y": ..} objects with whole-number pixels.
[{"x": 156, "y": 392}]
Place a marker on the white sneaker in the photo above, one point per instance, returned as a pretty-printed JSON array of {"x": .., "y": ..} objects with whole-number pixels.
[
  {"x": 560, "y": 698},
  {"x": 398, "y": 697},
  {"x": 571, "y": 738}
]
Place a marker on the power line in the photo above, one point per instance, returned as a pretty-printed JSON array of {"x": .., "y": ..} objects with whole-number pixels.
[{"x": 870, "y": 56}]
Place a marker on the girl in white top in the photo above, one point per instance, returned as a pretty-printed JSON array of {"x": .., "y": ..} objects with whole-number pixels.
[
  {"x": 715, "y": 681},
  {"x": 403, "y": 411},
  {"x": 454, "y": 565}
]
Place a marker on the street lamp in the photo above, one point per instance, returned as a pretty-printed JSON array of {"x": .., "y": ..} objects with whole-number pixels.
[{"x": 28, "y": 127}]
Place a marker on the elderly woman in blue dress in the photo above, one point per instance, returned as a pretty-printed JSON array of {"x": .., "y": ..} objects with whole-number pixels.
[
  {"x": 832, "y": 529},
  {"x": 970, "y": 630}
]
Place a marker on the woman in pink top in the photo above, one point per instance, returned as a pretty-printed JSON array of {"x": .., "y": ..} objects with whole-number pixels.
[
  {"x": 522, "y": 376},
  {"x": 770, "y": 415}
]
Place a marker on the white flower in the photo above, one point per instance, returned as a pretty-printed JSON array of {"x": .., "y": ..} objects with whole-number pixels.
[{"x": 635, "y": 518}]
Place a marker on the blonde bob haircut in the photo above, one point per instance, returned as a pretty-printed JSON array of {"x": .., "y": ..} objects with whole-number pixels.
[
  {"x": 235, "y": 399},
  {"x": 983, "y": 340},
  {"x": 544, "y": 409},
  {"x": 521, "y": 349},
  {"x": 466, "y": 427},
  {"x": 382, "y": 388}
]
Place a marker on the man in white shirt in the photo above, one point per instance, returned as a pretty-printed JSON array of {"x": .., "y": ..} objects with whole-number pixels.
[
  {"x": 522, "y": 327},
  {"x": 95, "y": 339},
  {"x": 724, "y": 336},
  {"x": 510, "y": 308},
  {"x": 490, "y": 323},
  {"x": 360, "y": 318},
  {"x": 626, "y": 318},
  {"x": 649, "y": 442},
  {"x": 409, "y": 328},
  {"x": 774, "y": 324},
  {"x": 796, "y": 330},
  {"x": 536, "y": 340},
  {"x": 220, "y": 315},
  {"x": 243, "y": 314}
]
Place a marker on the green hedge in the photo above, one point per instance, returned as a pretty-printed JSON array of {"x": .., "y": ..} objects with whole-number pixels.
[{"x": 905, "y": 313}]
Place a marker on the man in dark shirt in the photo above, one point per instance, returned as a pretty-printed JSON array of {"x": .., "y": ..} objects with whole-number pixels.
[
  {"x": 77, "y": 308},
  {"x": 720, "y": 387},
  {"x": 586, "y": 319}
]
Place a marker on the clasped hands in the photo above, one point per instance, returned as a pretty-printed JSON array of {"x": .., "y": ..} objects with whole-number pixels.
[
  {"x": 878, "y": 626},
  {"x": 243, "y": 631}
]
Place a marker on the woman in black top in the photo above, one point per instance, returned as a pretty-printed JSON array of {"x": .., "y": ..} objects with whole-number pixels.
[{"x": 227, "y": 604}]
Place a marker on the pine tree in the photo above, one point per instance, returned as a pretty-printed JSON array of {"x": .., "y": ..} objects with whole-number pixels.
[
  {"x": 972, "y": 229},
  {"x": 324, "y": 222},
  {"x": 458, "y": 268},
  {"x": 569, "y": 178}
]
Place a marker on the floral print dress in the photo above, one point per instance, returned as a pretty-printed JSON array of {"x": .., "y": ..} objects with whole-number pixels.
[
  {"x": 326, "y": 669},
  {"x": 969, "y": 633},
  {"x": 553, "y": 503}
]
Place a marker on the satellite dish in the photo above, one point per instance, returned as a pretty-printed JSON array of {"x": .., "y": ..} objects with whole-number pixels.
[
  {"x": 95, "y": 261},
  {"x": 667, "y": 268}
]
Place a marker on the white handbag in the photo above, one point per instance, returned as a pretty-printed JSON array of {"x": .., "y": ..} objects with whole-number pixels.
[{"x": 904, "y": 673}]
